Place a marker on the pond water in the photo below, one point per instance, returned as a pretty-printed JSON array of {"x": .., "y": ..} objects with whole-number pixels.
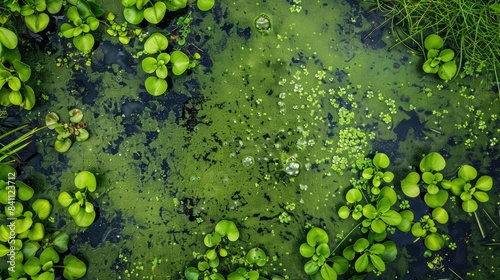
[{"x": 224, "y": 141}]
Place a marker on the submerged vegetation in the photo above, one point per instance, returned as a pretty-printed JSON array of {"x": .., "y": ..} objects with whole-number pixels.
[{"x": 283, "y": 142}]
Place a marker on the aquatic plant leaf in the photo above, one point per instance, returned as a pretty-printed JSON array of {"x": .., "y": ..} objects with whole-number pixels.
[
  {"x": 74, "y": 209},
  {"x": 92, "y": 22},
  {"x": 23, "y": 225},
  {"x": 205, "y": 5},
  {"x": 83, "y": 218},
  {"x": 149, "y": 64},
  {"x": 76, "y": 115},
  {"x": 340, "y": 265},
  {"x": 133, "y": 15},
  {"x": 64, "y": 199},
  {"x": 54, "y": 6},
  {"x": 15, "y": 84},
  {"x": 191, "y": 273},
  {"x": 15, "y": 97},
  {"x": 174, "y": 5},
  {"x": 85, "y": 179},
  {"x": 29, "y": 249},
  {"x": 128, "y": 3},
  {"x": 447, "y": 70},
  {"x": 155, "y": 13},
  {"x": 383, "y": 205},
  {"x": 484, "y": 183},
  {"x": 42, "y": 208},
  {"x": 344, "y": 212},
  {"x": 361, "y": 263},
  {"x": 433, "y": 41},
  {"x": 161, "y": 72},
  {"x": 432, "y": 189},
  {"x": 8, "y": 38},
  {"x": 377, "y": 262},
  {"x": 390, "y": 253},
  {"x": 306, "y": 250},
  {"x": 440, "y": 215},
  {"x": 370, "y": 211},
  {"x": 155, "y": 43},
  {"x": 180, "y": 62},
  {"x": 434, "y": 241},
  {"x": 377, "y": 248},
  {"x": 469, "y": 206},
  {"x": 73, "y": 268},
  {"x": 436, "y": 200},
  {"x": 381, "y": 160},
  {"x": 361, "y": 244},
  {"x": 311, "y": 267},
  {"x": 407, "y": 217},
  {"x": 432, "y": 162},
  {"x": 367, "y": 173},
  {"x": 60, "y": 241},
  {"x": 32, "y": 266},
  {"x": 84, "y": 42},
  {"x": 212, "y": 239},
  {"x": 89, "y": 207},
  {"x": 316, "y": 236},
  {"x": 37, "y": 232},
  {"x": 481, "y": 196},
  {"x": 391, "y": 217},
  {"x": 467, "y": 172},
  {"x": 323, "y": 250},
  {"x": 37, "y": 22},
  {"x": 353, "y": 195},
  {"x": 349, "y": 253},
  {"x": 83, "y": 135},
  {"x": 378, "y": 226},
  {"x": 156, "y": 86},
  {"x": 24, "y": 192},
  {"x": 388, "y": 176},
  {"x": 328, "y": 273},
  {"x": 49, "y": 254},
  {"x": 227, "y": 228},
  {"x": 23, "y": 70},
  {"x": 256, "y": 255},
  {"x": 447, "y": 55},
  {"x": 389, "y": 193}
]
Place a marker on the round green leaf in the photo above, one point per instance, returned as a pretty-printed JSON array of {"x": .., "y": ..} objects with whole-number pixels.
[
  {"x": 23, "y": 70},
  {"x": 30, "y": 248},
  {"x": 436, "y": 200},
  {"x": 29, "y": 98},
  {"x": 432, "y": 161},
  {"x": 447, "y": 55},
  {"x": 149, "y": 64},
  {"x": 389, "y": 193},
  {"x": 225, "y": 227},
  {"x": 481, "y": 196},
  {"x": 15, "y": 97},
  {"x": 410, "y": 186},
  {"x": 64, "y": 199},
  {"x": 191, "y": 273},
  {"x": 377, "y": 248},
  {"x": 440, "y": 215},
  {"x": 42, "y": 208},
  {"x": 256, "y": 255},
  {"x": 73, "y": 267},
  {"x": 361, "y": 263},
  {"x": 306, "y": 250},
  {"x": 205, "y": 5},
  {"x": 388, "y": 176},
  {"x": 54, "y": 6},
  {"x": 25, "y": 224},
  {"x": 469, "y": 206},
  {"x": 316, "y": 236},
  {"x": 381, "y": 160},
  {"x": 37, "y": 22},
  {"x": 86, "y": 179},
  {"x": 378, "y": 226},
  {"x": 434, "y": 242},
  {"x": 155, "y": 13},
  {"x": 83, "y": 218},
  {"x": 429, "y": 68},
  {"x": 155, "y": 43},
  {"x": 156, "y": 86},
  {"x": 84, "y": 42},
  {"x": 433, "y": 41},
  {"x": 83, "y": 135},
  {"x": 74, "y": 209},
  {"x": 8, "y": 38},
  {"x": 328, "y": 273},
  {"x": 212, "y": 239},
  {"x": 37, "y": 232},
  {"x": 353, "y": 195},
  {"x": 467, "y": 172},
  {"x": 93, "y": 23},
  {"x": 344, "y": 212},
  {"x": 361, "y": 244},
  {"x": 32, "y": 266},
  {"x": 60, "y": 241},
  {"x": 383, "y": 205},
  {"x": 323, "y": 250},
  {"x": 180, "y": 62},
  {"x": 377, "y": 262},
  {"x": 370, "y": 211},
  {"x": 49, "y": 255},
  {"x": 311, "y": 267},
  {"x": 447, "y": 70},
  {"x": 367, "y": 173},
  {"x": 484, "y": 183},
  {"x": 161, "y": 72},
  {"x": 24, "y": 192},
  {"x": 133, "y": 15}
]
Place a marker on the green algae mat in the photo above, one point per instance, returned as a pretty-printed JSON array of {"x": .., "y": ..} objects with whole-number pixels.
[{"x": 288, "y": 110}]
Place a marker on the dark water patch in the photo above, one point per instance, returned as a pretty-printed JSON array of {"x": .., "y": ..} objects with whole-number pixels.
[
  {"x": 130, "y": 107},
  {"x": 244, "y": 33},
  {"x": 413, "y": 123},
  {"x": 114, "y": 146},
  {"x": 92, "y": 93},
  {"x": 373, "y": 37},
  {"x": 101, "y": 231},
  {"x": 150, "y": 137},
  {"x": 113, "y": 54}
]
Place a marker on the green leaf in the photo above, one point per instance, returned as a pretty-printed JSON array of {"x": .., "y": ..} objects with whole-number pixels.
[
  {"x": 32, "y": 266},
  {"x": 83, "y": 218},
  {"x": 344, "y": 212},
  {"x": 381, "y": 160},
  {"x": 409, "y": 185},
  {"x": 180, "y": 62},
  {"x": 155, "y": 43},
  {"x": 328, "y": 273},
  {"x": 433, "y": 41},
  {"x": 64, "y": 199},
  {"x": 155, "y": 13},
  {"x": 174, "y": 5},
  {"x": 353, "y": 195},
  {"x": 370, "y": 211},
  {"x": 83, "y": 135},
  {"x": 432, "y": 161},
  {"x": 361, "y": 244},
  {"x": 60, "y": 241},
  {"x": 256, "y": 256},
  {"x": 37, "y": 232},
  {"x": 84, "y": 42},
  {"x": 156, "y": 86},
  {"x": 133, "y": 15},
  {"x": 74, "y": 209},
  {"x": 161, "y": 72},
  {"x": 390, "y": 253},
  {"x": 378, "y": 226},
  {"x": 377, "y": 249},
  {"x": 467, "y": 172},
  {"x": 54, "y": 6},
  {"x": 37, "y": 22},
  {"x": 481, "y": 196},
  {"x": 49, "y": 255},
  {"x": 86, "y": 179},
  {"x": 440, "y": 215},
  {"x": 434, "y": 242},
  {"x": 436, "y": 200},
  {"x": 306, "y": 250},
  {"x": 311, "y": 267},
  {"x": 469, "y": 206},
  {"x": 8, "y": 38},
  {"x": 447, "y": 55},
  {"x": 29, "y": 98},
  {"x": 316, "y": 236},
  {"x": 225, "y": 227},
  {"x": 24, "y": 192},
  {"x": 383, "y": 205},
  {"x": 367, "y": 173},
  {"x": 388, "y": 176},
  {"x": 73, "y": 268},
  {"x": 149, "y": 64},
  {"x": 212, "y": 239},
  {"x": 447, "y": 70},
  {"x": 23, "y": 70},
  {"x": 191, "y": 273},
  {"x": 484, "y": 183},
  {"x": 15, "y": 85},
  {"x": 361, "y": 263},
  {"x": 323, "y": 250},
  {"x": 42, "y": 208},
  {"x": 205, "y": 5},
  {"x": 429, "y": 68},
  {"x": 29, "y": 249},
  {"x": 377, "y": 262}
]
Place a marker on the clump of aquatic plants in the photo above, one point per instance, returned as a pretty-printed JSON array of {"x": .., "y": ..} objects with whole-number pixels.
[
  {"x": 157, "y": 43},
  {"x": 135, "y": 11},
  {"x": 79, "y": 206},
  {"x": 210, "y": 264},
  {"x": 469, "y": 27},
  {"x": 380, "y": 161},
  {"x": 32, "y": 250},
  {"x": 82, "y": 19},
  {"x": 76, "y": 127},
  {"x": 439, "y": 61},
  {"x": 34, "y": 13},
  {"x": 122, "y": 31}
]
